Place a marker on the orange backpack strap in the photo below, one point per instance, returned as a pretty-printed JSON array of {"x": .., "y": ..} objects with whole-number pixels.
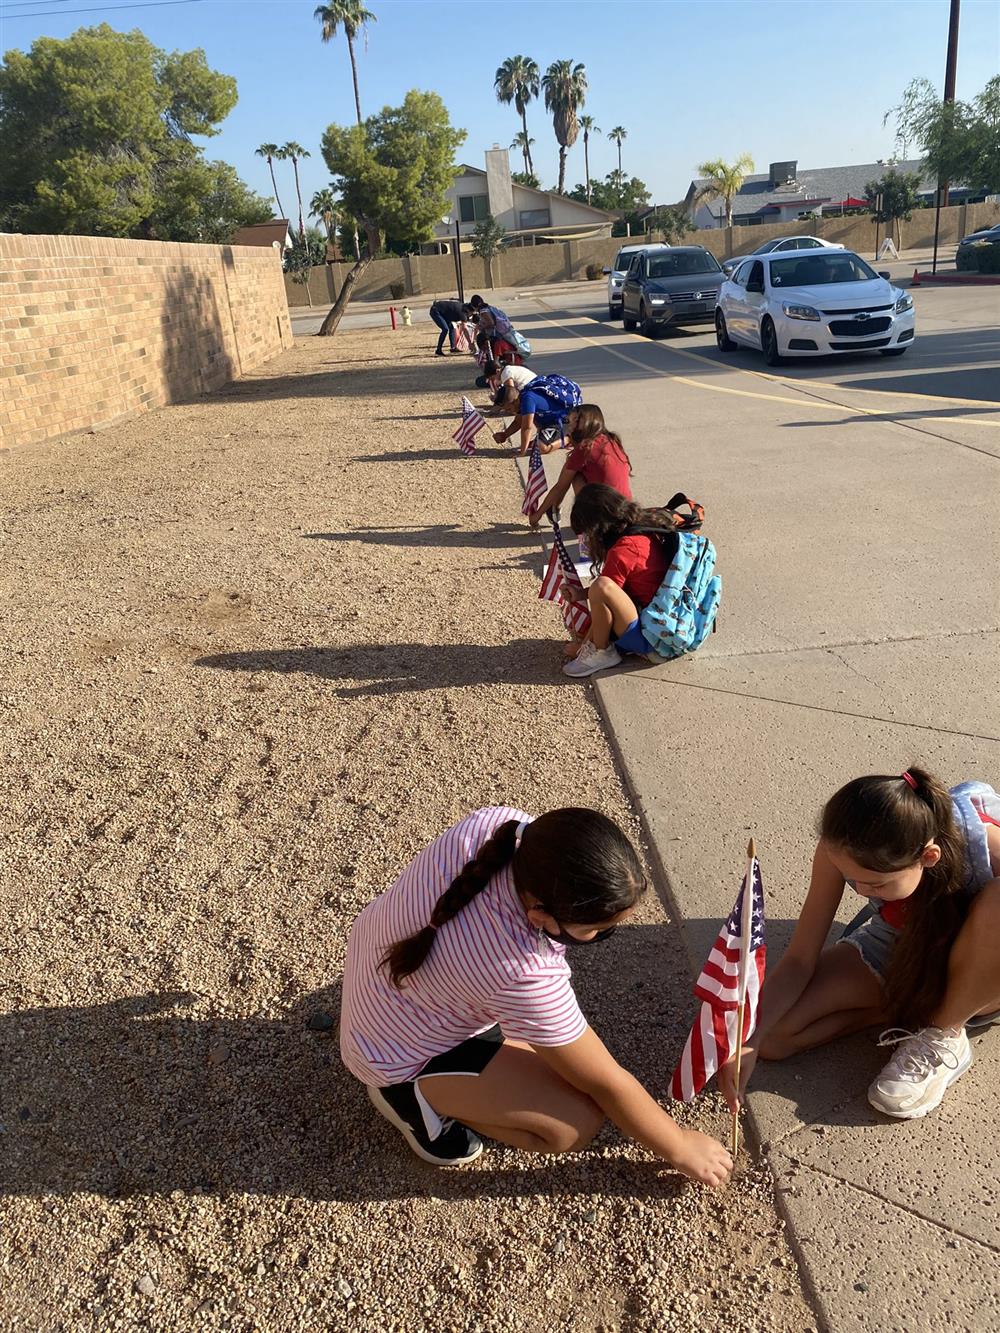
[{"x": 690, "y": 522}]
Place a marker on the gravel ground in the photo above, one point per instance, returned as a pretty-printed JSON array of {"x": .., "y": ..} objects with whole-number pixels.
[{"x": 257, "y": 650}]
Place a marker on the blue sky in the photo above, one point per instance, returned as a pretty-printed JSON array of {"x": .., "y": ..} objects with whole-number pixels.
[{"x": 795, "y": 80}]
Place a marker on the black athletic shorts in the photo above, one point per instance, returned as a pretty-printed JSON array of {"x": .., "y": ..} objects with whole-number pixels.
[{"x": 468, "y": 1057}]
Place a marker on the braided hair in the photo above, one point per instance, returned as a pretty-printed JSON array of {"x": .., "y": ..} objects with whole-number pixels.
[
  {"x": 577, "y": 863},
  {"x": 884, "y": 823}
]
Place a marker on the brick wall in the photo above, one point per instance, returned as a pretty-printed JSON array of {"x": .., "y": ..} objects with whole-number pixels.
[{"x": 94, "y": 329}]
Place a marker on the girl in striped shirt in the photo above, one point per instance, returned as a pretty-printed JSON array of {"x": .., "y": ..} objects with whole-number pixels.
[{"x": 458, "y": 1011}]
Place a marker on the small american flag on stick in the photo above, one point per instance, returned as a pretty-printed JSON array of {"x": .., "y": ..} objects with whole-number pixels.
[
  {"x": 463, "y": 342},
  {"x": 559, "y": 571},
  {"x": 537, "y": 487},
  {"x": 472, "y": 424},
  {"x": 729, "y": 988}
]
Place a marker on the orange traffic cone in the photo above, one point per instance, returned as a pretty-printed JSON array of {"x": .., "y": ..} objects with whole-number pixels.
[{"x": 915, "y": 280}]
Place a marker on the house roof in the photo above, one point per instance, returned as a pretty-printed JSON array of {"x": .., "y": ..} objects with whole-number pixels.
[
  {"x": 814, "y": 185},
  {"x": 601, "y": 213},
  {"x": 264, "y": 233}
]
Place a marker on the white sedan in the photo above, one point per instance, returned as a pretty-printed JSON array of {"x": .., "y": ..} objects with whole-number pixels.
[{"x": 814, "y": 304}]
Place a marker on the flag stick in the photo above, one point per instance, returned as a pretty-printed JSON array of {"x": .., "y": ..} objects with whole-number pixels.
[{"x": 744, "y": 954}]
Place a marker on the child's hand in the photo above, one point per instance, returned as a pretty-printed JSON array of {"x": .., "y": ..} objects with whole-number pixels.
[
  {"x": 703, "y": 1159},
  {"x": 500, "y": 436},
  {"x": 726, "y": 1078},
  {"x": 534, "y": 518}
]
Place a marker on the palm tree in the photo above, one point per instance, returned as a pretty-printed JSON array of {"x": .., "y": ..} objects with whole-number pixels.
[
  {"x": 517, "y": 81},
  {"x": 352, "y": 15},
  {"x": 589, "y": 128},
  {"x": 565, "y": 86},
  {"x": 617, "y": 136},
  {"x": 296, "y": 152},
  {"x": 723, "y": 181},
  {"x": 325, "y": 204},
  {"x": 271, "y": 151},
  {"x": 522, "y": 141}
]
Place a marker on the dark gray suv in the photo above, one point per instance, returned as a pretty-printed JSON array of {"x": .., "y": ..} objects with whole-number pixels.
[{"x": 675, "y": 286}]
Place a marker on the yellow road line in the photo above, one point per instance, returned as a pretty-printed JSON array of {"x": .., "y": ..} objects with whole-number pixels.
[{"x": 817, "y": 404}]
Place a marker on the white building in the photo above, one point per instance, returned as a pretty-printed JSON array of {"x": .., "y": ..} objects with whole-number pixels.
[{"x": 526, "y": 215}]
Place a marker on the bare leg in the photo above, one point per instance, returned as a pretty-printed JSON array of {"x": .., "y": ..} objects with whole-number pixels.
[
  {"x": 611, "y": 609},
  {"x": 974, "y": 963},
  {"x": 519, "y": 1100},
  {"x": 843, "y": 996}
]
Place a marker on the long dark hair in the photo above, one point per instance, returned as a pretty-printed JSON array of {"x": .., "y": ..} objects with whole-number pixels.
[
  {"x": 603, "y": 514},
  {"x": 588, "y": 424},
  {"x": 884, "y": 824},
  {"x": 578, "y": 864}
]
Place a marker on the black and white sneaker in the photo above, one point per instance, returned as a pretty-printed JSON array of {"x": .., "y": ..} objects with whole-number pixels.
[{"x": 456, "y": 1145}]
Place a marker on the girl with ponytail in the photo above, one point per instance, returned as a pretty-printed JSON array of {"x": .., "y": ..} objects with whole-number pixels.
[
  {"x": 596, "y": 457},
  {"x": 928, "y": 861},
  {"x": 458, "y": 1008}
]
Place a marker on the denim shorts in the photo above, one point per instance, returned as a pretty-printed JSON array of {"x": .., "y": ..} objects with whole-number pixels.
[{"x": 874, "y": 940}]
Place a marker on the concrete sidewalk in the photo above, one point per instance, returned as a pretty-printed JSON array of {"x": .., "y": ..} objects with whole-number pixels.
[{"x": 857, "y": 634}]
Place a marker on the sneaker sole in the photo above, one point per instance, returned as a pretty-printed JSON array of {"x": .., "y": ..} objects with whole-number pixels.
[
  {"x": 386, "y": 1111},
  {"x": 919, "y": 1112}
]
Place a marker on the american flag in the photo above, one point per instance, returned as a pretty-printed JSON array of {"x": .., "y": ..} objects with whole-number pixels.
[
  {"x": 560, "y": 569},
  {"x": 736, "y": 961},
  {"x": 472, "y": 424},
  {"x": 463, "y": 342},
  {"x": 537, "y": 487},
  {"x": 482, "y": 356}
]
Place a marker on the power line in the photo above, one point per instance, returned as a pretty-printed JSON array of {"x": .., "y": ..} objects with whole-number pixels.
[{"x": 100, "y": 9}]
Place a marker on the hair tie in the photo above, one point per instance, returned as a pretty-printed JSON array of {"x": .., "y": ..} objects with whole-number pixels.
[
  {"x": 909, "y": 778},
  {"x": 519, "y": 832}
]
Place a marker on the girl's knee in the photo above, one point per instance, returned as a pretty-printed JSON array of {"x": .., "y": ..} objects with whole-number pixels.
[
  {"x": 571, "y": 1136},
  {"x": 776, "y": 1045}
]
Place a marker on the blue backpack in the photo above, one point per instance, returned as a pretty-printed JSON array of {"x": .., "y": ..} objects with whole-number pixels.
[
  {"x": 561, "y": 394},
  {"x": 682, "y": 614}
]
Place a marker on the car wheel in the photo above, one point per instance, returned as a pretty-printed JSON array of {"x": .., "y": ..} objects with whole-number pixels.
[
  {"x": 769, "y": 343},
  {"x": 627, "y": 323},
  {"x": 614, "y": 311},
  {"x": 893, "y": 351},
  {"x": 646, "y": 324},
  {"x": 722, "y": 337}
]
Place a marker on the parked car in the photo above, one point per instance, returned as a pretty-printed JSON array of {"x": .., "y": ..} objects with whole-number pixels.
[
  {"x": 678, "y": 285},
  {"x": 825, "y": 302},
  {"x": 986, "y": 236},
  {"x": 616, "y": 274},
  {"x": 781, "y": 243}
]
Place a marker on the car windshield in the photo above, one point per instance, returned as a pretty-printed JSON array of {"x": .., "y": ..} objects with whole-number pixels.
[
  {"x": 816, "y": 270},
  {"x": 682, "y": 262},
  {"x": 624, "y": 259},
  {"x": 764, "y": 249}
]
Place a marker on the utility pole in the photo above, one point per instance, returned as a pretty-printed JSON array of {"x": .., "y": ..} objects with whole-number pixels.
[{"x": 950, "y": 69}]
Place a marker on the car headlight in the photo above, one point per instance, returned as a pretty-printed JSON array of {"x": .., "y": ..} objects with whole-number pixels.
[
  {"x": 659, "y": 300},
  {"x": 904, "y": 303},
  {"x": 800, "y": 311}
]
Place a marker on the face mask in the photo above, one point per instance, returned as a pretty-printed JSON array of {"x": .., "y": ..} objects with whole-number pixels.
[{"x": 571, "y": 940}]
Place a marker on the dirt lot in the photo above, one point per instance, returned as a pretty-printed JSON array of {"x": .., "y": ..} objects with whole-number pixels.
[{"x": 257, "y": 650}]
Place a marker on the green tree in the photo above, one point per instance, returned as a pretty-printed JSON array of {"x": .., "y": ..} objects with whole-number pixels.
[
  {"x": 204, "y": 202},
  {"x": 959, "y": 141},
  {"x": 352, "y": 16},
  {"x": 488, "y": 239},
  {"x": 95, "y": 133},
  {"x": 269, "y": 151},
  {"x": 616, "y": 191},
  {"x": 392, "y": 173},
  {"x": 325, "y": 205},
  {"x": 565, "y": 87},
  {"x": 526, "y": 178},
  {"x": 295, "y": 153},
  {"x": 894, "y": 196},
  {"x": 517, "y": 81},
  {"x": 675, "y": 223},
  {"x": 724, "y": 181},
  {"x": 307, "y": 252},
  {"x": 589, "y": 127},
  {"x": 618, "y": 136},
  {"x": 523, "y": 141}
]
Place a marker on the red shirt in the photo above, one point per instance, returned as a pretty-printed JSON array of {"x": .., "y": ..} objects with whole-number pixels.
[
  {"x": 638, "y": 565},
  {"x": 603, "y": 464}
]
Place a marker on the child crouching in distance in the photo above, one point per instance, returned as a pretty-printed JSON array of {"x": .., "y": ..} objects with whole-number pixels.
[
  {"x": 928, "y": 860},
  {"x": 506, "y": 382},
  {"x": 596, "y": 457},
  {"x": 459, "y": 1014},
  {"x": 632, "y": 567}
]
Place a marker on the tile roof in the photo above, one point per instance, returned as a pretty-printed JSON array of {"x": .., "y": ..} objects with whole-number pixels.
[{"x": 828, "y": 183}]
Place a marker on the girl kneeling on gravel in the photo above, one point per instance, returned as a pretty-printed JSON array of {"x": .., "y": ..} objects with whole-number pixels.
[
  {"x": 929, "y": 862},
  {"x": 597, "y": 457},
  {"x": 459, "y": 1014}
]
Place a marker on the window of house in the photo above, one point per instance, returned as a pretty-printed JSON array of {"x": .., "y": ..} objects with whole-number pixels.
[
  {"x": 534, "y": 217},
  {"x": 473, "y": 207}
]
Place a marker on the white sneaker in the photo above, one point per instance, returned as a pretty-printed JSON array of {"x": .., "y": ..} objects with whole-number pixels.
[
  {"x": 590, "y": 659},
  {"x": 926, "y": 1063}
]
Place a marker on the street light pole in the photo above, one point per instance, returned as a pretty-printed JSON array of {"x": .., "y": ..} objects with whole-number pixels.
[
  {"x": 458, "y": 262},
  {"x": 950, "y": 70}
]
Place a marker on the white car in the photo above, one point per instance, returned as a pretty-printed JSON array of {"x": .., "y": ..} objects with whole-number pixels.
[
  {"x": 616, "y": 274},
  {"x": 815, "y": 304},
  {"x": 781, "y": 243}
]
